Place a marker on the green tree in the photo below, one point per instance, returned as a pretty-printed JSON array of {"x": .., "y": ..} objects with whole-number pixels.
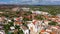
[
  {"x": 6, "y": 28},
  {"x": 39, "y": 17},
  {"x": 20, "y": 32},
  {"x": 53, "y": 23},
  {"x": 24, "y": 24},
  {"x": 11, "y": 23},
  {"x": 17, "y": 27}
]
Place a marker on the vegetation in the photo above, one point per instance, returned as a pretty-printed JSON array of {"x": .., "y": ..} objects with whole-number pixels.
[
  {"x": 24, "y": 24},
  {"x": 53, "y": 23},
  {"x": 39, "y": 17},
  {"x": 6, "y": 28},
  {"x": 20, "y": 32},
  {"x": 50, "y": 9}
]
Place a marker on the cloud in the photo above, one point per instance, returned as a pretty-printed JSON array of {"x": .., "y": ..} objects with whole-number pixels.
[
  {"x": 3, "y": 2},
  {"x": 31, "y": 2}
]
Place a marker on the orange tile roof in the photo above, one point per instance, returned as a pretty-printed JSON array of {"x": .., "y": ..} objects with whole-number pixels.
[
  {"x": 42, "y": 30},
  {"x": 17, "y": 18},
  {"x": 18, "y": 23},
  {"x": 53, "y": 32}
]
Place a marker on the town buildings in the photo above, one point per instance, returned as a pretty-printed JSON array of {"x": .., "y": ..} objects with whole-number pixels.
[{"x": 36, "y": 22}]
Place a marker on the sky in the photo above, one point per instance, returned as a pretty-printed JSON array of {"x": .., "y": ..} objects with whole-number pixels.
[{"x": 31, "y": 2}]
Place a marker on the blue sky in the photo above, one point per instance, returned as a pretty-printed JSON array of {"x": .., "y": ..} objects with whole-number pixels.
[{"x": 31, "y": 2}]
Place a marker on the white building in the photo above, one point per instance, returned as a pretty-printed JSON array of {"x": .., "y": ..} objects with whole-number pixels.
[
  {"x": 2, "y": 32},
  {"x": 26, "y": 31},
  {"x": 12, "y": 27},
  {"x": 37, "y": 12},
  {"x": 40, "y": 12},
  {"x": 21, "y": 18},
  {"x": 31, "y": 27},
  {"x": 25, "y": 9},
  {"x": 45, "y": 13}
]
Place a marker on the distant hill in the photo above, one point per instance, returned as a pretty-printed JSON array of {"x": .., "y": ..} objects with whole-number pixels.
[{"x": 53, "y": 9}]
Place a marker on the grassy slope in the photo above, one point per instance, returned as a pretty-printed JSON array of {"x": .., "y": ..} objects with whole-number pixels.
[{"x": 51, "y": 9}]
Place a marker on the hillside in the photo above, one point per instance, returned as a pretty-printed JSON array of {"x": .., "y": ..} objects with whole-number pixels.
[{"x": 51, "y": 9}]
